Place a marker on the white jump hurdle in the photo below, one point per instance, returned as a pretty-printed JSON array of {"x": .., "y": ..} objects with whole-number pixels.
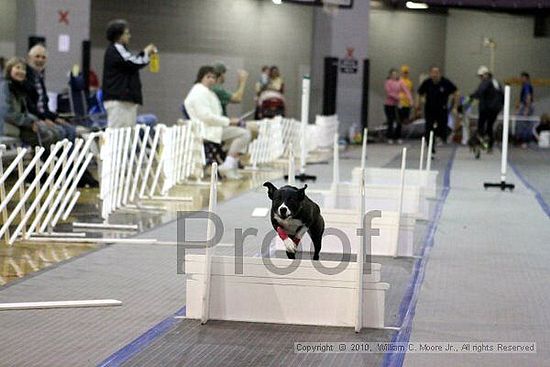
[
  {"x": 425, "y": 179},
  {"x": 341, "y": 205},
  {"x": 380, "y": 195},
  {"x": 306, "y": 296}
]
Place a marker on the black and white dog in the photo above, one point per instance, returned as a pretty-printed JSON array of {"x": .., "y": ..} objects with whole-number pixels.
[{"x": 292, "y": 215}]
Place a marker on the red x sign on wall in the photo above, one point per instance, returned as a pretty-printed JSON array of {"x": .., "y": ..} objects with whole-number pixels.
[{"x": 63, "y": 16}]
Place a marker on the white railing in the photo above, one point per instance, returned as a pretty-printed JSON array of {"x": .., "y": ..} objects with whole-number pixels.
[
  {"x": 141, "y": 163},
  {"x": 52, "y": 193},
  {"x": 269, "y": 145}
]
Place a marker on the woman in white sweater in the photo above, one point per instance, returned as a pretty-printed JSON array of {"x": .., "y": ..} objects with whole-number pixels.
[{"x": 203, "y": 105}]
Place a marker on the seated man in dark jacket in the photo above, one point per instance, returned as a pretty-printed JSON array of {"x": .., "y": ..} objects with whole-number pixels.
[
  {"x": 37, "y": 95},
  {"x": 121, "y": 83}
]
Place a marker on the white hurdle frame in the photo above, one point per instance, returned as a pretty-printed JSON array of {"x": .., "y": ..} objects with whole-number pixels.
[{"x": 351, "y": 283}]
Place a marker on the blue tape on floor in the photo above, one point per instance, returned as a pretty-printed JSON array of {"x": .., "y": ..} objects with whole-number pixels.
[
  {"x": 139, "y": 344},
  {"x": 543, "y": 204},
  {"x": 407, "y": 308}
]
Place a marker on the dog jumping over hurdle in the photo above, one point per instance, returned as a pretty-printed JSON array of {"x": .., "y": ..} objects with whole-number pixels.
[{"x": 292, "y": 215}]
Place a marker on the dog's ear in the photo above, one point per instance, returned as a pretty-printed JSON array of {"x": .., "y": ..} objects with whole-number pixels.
[
  {"x": 270, "y": 189},
  {"x": 302, "y": 192}
]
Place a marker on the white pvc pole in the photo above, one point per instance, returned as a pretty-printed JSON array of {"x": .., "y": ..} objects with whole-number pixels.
[
  {"x": 119, "y": 175},
  {"x": 53, "y": 181},
  {"x": 137, "y": 174},
  {"x": 131, "y": 227},
  {"x": 306, "y": 85},
  {"x": 22, "y": 201},
  {"x": 364, "y": 149},
  {"x": 21, "y": 180},
  {"x": 163, "y": 150},
  {"x": 71, "y": 206},
  {"x": 336, "y": 163},
  {"x": 65, "y": 180},
  {"x": 150, "y": 162},
  {"x": 127, "y": 137},
  {"x": 291, "y": 167},
  {"x": 360, "y": 259},
  {"x": 72, "y": 189},
  {"x": 20, "y": 170},
  {"x": 3, "y": 194},
  {"x": 400, "y": 206},
  {"x": 20, "y": 155},
  {"x": 208, "y": 250},
  {"x": 505, "y": 132},
  {"x": 421, "y": 167},
  {"x": 130, "y": 170},
  {"x": 430, "y": 148}
]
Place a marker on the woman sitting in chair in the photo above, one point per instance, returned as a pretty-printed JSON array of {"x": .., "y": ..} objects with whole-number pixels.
[
  {"x": 14, "y": 112},
  {"x": 203, "y": 105}
]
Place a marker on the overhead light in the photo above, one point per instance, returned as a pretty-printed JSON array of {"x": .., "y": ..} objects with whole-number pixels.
[
  {"x": 413, "y": 5},
  {"x": 277, "y": 2}
]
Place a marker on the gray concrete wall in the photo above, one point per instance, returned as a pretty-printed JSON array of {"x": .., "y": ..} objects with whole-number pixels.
[
  {"x": 8, "y": 10},
  {"x": 516, "y": 50},
  {"x": 333, "y": 35},
  {"x": 242, "y": 33},
  {"x": 401, "y": 37},
  {"x": 41, "y": 18}
]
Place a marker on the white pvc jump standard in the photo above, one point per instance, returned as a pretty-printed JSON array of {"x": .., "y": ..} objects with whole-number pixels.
[
  {"x": 503, "y": 185},
  {"x": 379, "y": 195},
  {"x": 396, "y": 235},
  {"x": 425, "y": 179},
  {"x": 215, "y": 290}
]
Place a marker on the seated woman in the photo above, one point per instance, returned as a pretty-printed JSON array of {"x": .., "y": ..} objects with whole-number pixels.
[
  {"x": 13, "y": 107},
  {"x": 14, "y": 113},
  {"x": 276, "y": 82},
  {"x": 203, "y": 105}
]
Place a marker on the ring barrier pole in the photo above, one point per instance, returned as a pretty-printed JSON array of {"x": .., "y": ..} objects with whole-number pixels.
[
  {"x": 503, "y": 185},
  {"x": 400, "y": 202},
  {"x": 421, "y": 165},
  {"x": 209, "y": 250},
  {"x": 430, "y": 152}
]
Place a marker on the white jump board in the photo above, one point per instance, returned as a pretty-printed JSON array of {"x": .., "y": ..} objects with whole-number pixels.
[
  {"x": 59, "y": 304},
  {"x": 303, "y": 297},
  {"x": 427, "y": 180},
  {"x": 348, "y": 222},
  {"x": 346, "y": 195}
]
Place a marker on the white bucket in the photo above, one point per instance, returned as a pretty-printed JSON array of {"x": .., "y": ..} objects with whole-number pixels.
[{"x": 544, "y": 139}]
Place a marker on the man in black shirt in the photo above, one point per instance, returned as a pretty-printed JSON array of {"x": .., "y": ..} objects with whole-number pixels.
[
  {"x": 436, "y": 91},
  {"x": 491, "y": 100}
]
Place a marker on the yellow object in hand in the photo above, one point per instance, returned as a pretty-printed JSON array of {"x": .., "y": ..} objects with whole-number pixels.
[{"x": 154, "y": 64}]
